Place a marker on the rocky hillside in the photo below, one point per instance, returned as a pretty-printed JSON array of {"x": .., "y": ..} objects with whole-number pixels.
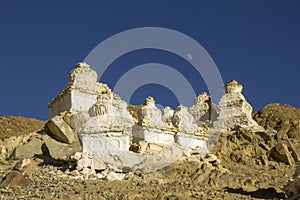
[
  {"x": 282, "y": 118},
  {"x": 18, "y": 126},
  {"x": 244, "y": 164}
]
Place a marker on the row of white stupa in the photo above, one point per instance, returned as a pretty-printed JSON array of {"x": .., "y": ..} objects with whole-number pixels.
[{"x": 102, "y": 120}]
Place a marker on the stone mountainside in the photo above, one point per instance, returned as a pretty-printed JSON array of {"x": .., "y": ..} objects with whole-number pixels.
[
  {"x": 96, "y": 146},
  {"x": 11, "y": 126},
  {"x": 283, "y": 118}
]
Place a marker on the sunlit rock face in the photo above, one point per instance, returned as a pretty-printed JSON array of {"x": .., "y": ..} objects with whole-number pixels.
[{"x": 233, "y": 108}]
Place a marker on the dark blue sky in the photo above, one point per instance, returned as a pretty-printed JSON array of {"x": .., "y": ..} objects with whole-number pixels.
[{"x": 255, "y": 42}]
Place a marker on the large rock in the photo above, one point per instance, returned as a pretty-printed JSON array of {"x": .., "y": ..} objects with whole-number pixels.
[
  {"x": 61, "y": 130},
  {"x": 45, "y": 146},
  {"x": 61, "y": 151},
  {"x": 8, "y": 145},
  {"x": 28, "y": 150},
  {"x": 281, "y": 153}
]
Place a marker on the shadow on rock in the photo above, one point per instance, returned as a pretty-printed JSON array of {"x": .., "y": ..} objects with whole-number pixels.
[
  {"x": 267, "y": 193},
  {"x": 48, "y": 160}
]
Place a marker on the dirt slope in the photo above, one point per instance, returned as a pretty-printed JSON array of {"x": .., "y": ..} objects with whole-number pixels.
[{"x": 17, "y": 126}]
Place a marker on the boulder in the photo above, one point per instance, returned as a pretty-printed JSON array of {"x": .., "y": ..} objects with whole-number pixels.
[
  {"x": 28, "y": 150},
  {"x": 61, "y": 151},
  {"x": 61, "y": 130},
  {"x": 8, "y": 145},
  {"x": 44, "y": 145},
  {"x": 281, "y": 153}
]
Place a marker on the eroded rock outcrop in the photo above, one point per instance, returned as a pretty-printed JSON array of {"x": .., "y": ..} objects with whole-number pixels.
[
  {"x": 281, "y": 117},
  {"x": 45, "y": 147}
]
